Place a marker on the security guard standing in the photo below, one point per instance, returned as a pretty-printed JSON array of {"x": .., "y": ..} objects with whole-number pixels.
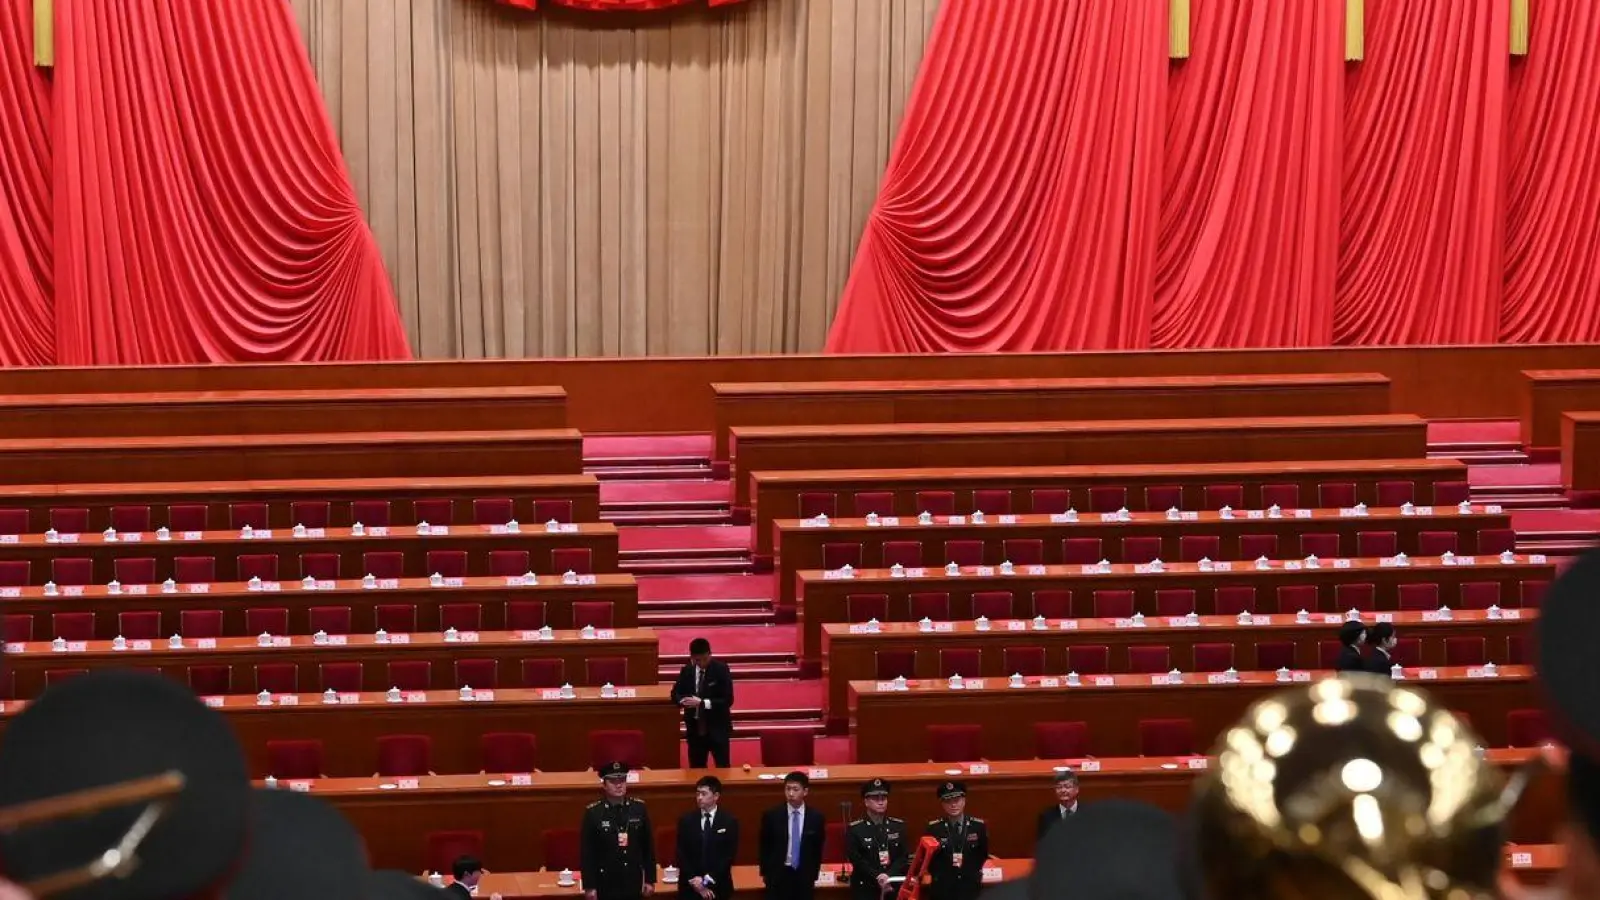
[
  {"x": 876, "y": 845},
  {"x": 617, "y": 842},
  {"x": 956, "y": 869}
]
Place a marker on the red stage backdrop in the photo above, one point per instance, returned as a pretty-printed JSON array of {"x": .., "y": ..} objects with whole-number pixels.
[
  {"x": 200, "y": 205},
  {"x": 1438, "y": 191}
]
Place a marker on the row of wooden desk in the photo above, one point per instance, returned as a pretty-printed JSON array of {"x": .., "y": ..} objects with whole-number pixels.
[
  {"x": 744, "y": 404},
  {"x": 581, "y": 492},
  {"x": 824, "y": 596},
  {"x": 1580, "y": 451},
  {"x": 777, "y": 494},
  {"x": 281, "y": 411},
  {"x": 251, "y": 457},
  {"x": 351, "y": 549},
  {"x": 851, "y": 653},
  {"x": 801, "y": 542},
  {"x": 503, "y": 602},
  {"x": 1008, "y": 795},
  {"x": 1152, "y": 441}
]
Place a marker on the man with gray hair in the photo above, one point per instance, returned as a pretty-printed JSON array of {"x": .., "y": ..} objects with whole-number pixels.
[{"x": 1066, "y": 804}]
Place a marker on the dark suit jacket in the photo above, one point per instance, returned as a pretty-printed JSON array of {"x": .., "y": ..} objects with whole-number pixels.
[
  {"x": 1350, "y": 660},
  {"x": 713, "y": 854},
  {"x": 456, "y": 889},
  {"x": 774, "y": 854},
  {"x": 716, "y": 686},
  {"x": 1378, "y": 663},
  {"x": 1048, "y": 819}
]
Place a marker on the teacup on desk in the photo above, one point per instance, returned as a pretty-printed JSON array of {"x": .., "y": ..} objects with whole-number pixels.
[
  {"x": 565, "y": 879},
  {"x": 670, "y": 875}
]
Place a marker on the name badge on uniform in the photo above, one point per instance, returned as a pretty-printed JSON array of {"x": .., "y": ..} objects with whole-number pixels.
[
  {"x": 622, "y": 838},
  {"x": 955, "y": 859},
  {"x": 883, "y": 857}
]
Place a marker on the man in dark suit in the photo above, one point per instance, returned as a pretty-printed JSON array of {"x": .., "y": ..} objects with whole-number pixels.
[
  {"x": 877, "y": 845},
  {"x": 1066, "y": 804},
  {"x": 704, "y": 690},
  {"x": 955, "y": 871},
  {"x": 1382, "y": 639},
  {"x": 791, "y": 843},
  {"x": 708, "y": 842},
  {"x": 1351, "y": 636},
  {"x": 467, "y": 871}
]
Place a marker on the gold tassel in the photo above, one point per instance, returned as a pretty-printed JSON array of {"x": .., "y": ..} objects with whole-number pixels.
[
  {"x": 44, "y": 33},
  {"x": 1355, "y": 30},
  {"x": 1178, "y": 27},
  {"x": 1519, "y": 27}
]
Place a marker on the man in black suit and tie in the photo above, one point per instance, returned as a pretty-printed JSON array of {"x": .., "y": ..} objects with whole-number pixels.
[
  {"x": 1352, "y": 635},
  {"x": 1383, "y": 640},
  {"x": 467, "y": 871},
  {"x": 1066, "y": 804},
  {"x": 791, "y": 843},
  {"x": 704, "y": 690},
  {"x": 708, "y": 842}
]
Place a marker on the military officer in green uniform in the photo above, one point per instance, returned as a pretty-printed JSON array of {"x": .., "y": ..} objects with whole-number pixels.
[
  {"x": 956, "y": 869},
  {"x": 876, "y": 845},
  {"x": 617, "y": 842}
]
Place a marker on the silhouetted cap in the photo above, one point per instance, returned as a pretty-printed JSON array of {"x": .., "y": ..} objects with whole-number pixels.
[
  {"x": 614, "y": 770},
  {"x": 299, "y": 847},
  {"x": 877, "y": 787},
  {"x": 111, "y": 727},
  {"x": 950, "y": 790}
]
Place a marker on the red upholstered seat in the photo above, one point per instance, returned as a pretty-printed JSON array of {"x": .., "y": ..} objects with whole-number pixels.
[
  {"x": 508, "y": 751},
  {"x": 1089, "y": 659},
  {"x": 69, "y": 571},
  {"x": 1166, "y": 737},
  {"x": 296, "y": 759},
  {"x": 1255, "y": 546},
  {"x": 384, "y": 564},
  {"x": 1293, "y": 598},
  {"x": 370, "y": 512},
  {"x": 134, "y": 570},
  {"x": 15, "y": 572},
  {"x": 1396, "y": 493},
  {"x": 992, "y": 604},
  {"x": 1419, "y": 597},
  {"x": 1450, "y": 493},
  {"x": 461, "y": 616},
  {"x": 1377, "y": 543},
  {"x": 1213, "y": 657},
  {"x": 865, "y": 503},
  {"x": 194, "y": 569},
  {"x": 837, "y": 555},
  {"x": 131, "y": 518},
  {"x": 1234, "y": 599},
  {"x": 443, "y": 848},
  {"x": 993, "y": 501},
  {"x": 69, "y": 519},
  {"x": 1336, "y": 494},
  {"x": 543, "y": 673},
  {"x": 18, "y": 629},
  {"x": 321, "y": 566},
  {"x": 572, "y": 559},
  {"x": 397, "y": 618},
  {"x": 140, "y": 625},
  {"x": 278, "y": 678},
  {"x": 550, "y": 509},
  {"x": 73, "y": 626},
  {"x": 434, "y": 511},
  {"x": 328, "y": 619},
  {"x": 1113, "y": 604},
  {"x": 1061, "y": 740},
  {"x": 449, "y": 563},
  {"x": 1027, "y": 661},
  {"x": 1141, "y": 549},
  {"x": 602, "y": 670},
  {"x": 187, "y": 517},
  {"x": 866, "y": 607},
  {"x": 1283, "y": 496},
  {"x": 525, "y": 615},
  {"x": 405, "y": 755},
  {"x": 258, "y": 565},
  {"x": 14, "y": 521},
  {"x": 1149, "y": 659},
  {"x": 1437, "y": 543},
  {"x": 1049, "y": 501},
  {"x": 1107, "y": 498},
  {"x": 492, "y": 511},
  {"x": 1322, "y": 544},
  {"x": 251, "y": 514},
  {"x": 930, "y": 605},
  {"x": 593, "y": 613},
  {"x": 939, "y": 503},
  {"x": 1163, "y": 497},
  {"x": 954, "y": 743},
  {"x": 1219, "y": 495},
  {"x": 1195, "y": 547},
  {"x": 410, "y": 674},
  {"x": 210, "y": 681},
  {"x": 965, "y": 661},
  {"x": 1361, "y": 596},
  {"x": 905, "y": 553},
  {"x": 1528, "y": 727},
  {"x": 343, "y": 677},
  {"x": 200, "y": 623},
  {"x": 481, "y": 674},
  {"x": 1175, "y": 602},
  {"x": 964, "y": 552},
  {"x": 891, "y": 664},
  {"x": 560, "y": 849},
  {"x": 508, "y": 563},
  {"x": 818, "y": 503},
  {"x": 616, "y": 746},
  {"x": 1465, "y": 651},
  {"x": 311, "y": 513},
  {"x": 1274, "y": 655},
  {"x": 1081, "y": 551},
  {"x": 1023, "y": 551},
  {"x": 1053, "y": 604},
  {"x": 1480, "y": 594}
]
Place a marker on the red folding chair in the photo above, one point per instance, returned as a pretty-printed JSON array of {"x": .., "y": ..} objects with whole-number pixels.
[
  {"x": 1089, "y": 659},
  {"x": 311, "y": 513},
  {"x": 593, "y": 613},
  {"x": 461, "y": 616},
  {"x": 954, "y": 743},
  {"x": 543, "y": 673},
  {"x": 410, "y": 674},
  {"x": 297, "y": 759},
  {"x": 552, "y": 510},
  {"x": 939, "y": 503},
  {"x": 1061, "y": 740},
  {"x": 1149, "y": 659},
  {"x": 251, "y": 514},
  {"x": 1049, "y": 501},
  {"x": 509, "y": 563},
  {"x": 492, "y": 511},
  {"x": 405, "y": 755},
  {"x": 601, "y": 670},
  {"x": 1025, "y": 661},
  {"x": 624, "y": 746},
  {"x": 374, "y": 513},
  {"x": 200, "y": 623},
  {"x": 866, "y": 607},
  {"x": 992, "y": 605},
  {"x": 1113, "y": 604},
  {"x": 1219, "y": 495},
  {"x": 525, "y": 615},
  {"x": 328, "y": 619},
  {"x": 509, "y": 751},
  {"x": 1166, "y": 737},
  {"x": 384, "y": 564}
]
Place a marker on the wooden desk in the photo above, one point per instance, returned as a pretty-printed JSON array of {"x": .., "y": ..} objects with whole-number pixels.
[
  {"x": 29, "y": 662},
  {"x": 1071, "y": 443},
  {"x": 478, "y": 541},
  {"x": 281, "y": 411},
  {"x": 849, "y": 653},
  {"x": 823, "y": 595},
  {"x": 349, "y": 730},
  {"x": 888, "y": 725},
  {"x": 800, "y": 542},
  {"x": 741, "y": 404},
  {"x": 1580, "y": 450},
  {"x": 234, "y": 598},
  {"x": 777, "y": 494},
  {"x": 582, "y": 491},
  {"x": 405, "y": 454},
  {"x": 1549, "y": 393},
  {"x": 1009, "y": 796}
]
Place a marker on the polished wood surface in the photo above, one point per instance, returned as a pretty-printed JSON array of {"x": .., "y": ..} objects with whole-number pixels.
[
  {"x": 800, "y": 541},
  {"x": 349, "y": 729},
  {"x": 1008, "y": 796},
  {"x": 673, "y": 395},
  {"x": 582, "y": 491},
  {"x": 888, "y": 725},
  {"x": 1580, "y": 450},
  {"x": 29, "y": 662},
  {"x": 1547, "y": 394},
  {"x": 776, "y": 494},
  {"x": 406, "y": 454},
  {"x": 849, "y": 652},
  {"x": 1071, "y": 443},
  {"x": 232, "y": 599},
  {"x": 478, "y": 541},
  {"x": 1043, "y": 399},
  {"x": 281, "y": 411},
  {"x": 823, "y": 595}
]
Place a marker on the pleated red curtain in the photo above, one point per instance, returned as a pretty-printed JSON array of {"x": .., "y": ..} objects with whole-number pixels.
[
  {"x": 27, "y": 325},
  {"x": 1020, "y": 204}
]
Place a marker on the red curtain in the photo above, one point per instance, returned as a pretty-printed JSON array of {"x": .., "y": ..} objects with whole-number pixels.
[
  {"x": 1420, "y": 240},
  {"x": 617, "y": 5},
  {"x": 1250, "y": 210},
  {"x": 1021, "y": 202},
  {"x": 27, "y": 326},
  {"x": 1552, "y": 292}
]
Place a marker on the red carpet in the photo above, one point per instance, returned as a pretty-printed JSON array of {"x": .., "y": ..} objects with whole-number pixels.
[
  {"x": 1500, "y": 431},
  {"x": 658, "y": 588},
  {"x": 1539, "y": 475},
  {"x": 621, "y": 446},
  {"x": 665, "y": 492},
  {"x": 746, "y": 751},
  {"x": 1537, "y": 522},
  {"x": 730, "y": 640},
  {"x": 687, "y": 539}
]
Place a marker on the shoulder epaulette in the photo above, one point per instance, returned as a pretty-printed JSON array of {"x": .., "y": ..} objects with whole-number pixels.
[
  {"x": 934, "y": 822},
  {"x": 856, "y": 822},
  {"x": 974, "y": 819},
  {"x": 594, "y": 804},
  {"x": 893, "y": 819}
]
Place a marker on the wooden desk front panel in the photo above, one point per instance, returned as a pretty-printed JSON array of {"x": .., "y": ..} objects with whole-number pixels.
[
  {"x": 637, "y": 646},
  {"x": 582, "y": 491},
  {"x": 1580, "y": 451},
  {"x": 260, "y": 457},
  {"x": 282, "y": 412},
  {"x": 889, "y": 726},
  {"x": 1153, "y": 441},
  {"x": 848, "y": 657},
  {"x": 824, "y": 600},
  {"x": 800, "y": 546},
  {"x": 233, "y": 599},
  {"x": 1043, "y": 399},
  {"x": 394, "y": 823},
  {"x": 777, "y": 494},
  {"x": 1547, "y": 394},
  {"x": 599, "y": 538}
]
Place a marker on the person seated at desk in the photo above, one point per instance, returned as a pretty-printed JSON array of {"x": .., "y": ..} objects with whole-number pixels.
[
  {"x": 1382, "y": 639},
  {"x": 1352, "y": 635},
  {"x": 467, "y": 871}
]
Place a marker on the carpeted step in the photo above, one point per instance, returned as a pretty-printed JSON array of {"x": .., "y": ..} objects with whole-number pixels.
[
  {"x": 686, "y": 567},
  {"x": 679, "y": 619},
  {"x": 743, "y": 670},
  {"x": 668, "y": 518},
  {"x": 621, "y": 471},
  {"x": 721, "y": 587}
]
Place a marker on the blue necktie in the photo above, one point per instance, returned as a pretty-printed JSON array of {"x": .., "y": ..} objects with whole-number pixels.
[{"x": 794, "y": 839}]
